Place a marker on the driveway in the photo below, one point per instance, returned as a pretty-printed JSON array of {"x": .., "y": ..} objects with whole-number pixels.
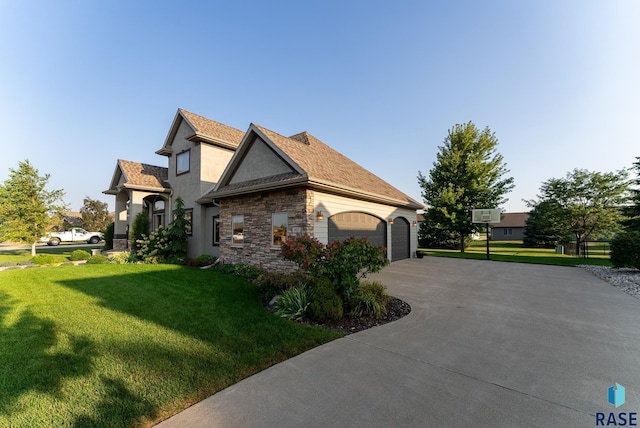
[{"x": 487, "y": 344}]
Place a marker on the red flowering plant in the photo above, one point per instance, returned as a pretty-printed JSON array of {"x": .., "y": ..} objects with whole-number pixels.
[{"x": 304, "y": 250}]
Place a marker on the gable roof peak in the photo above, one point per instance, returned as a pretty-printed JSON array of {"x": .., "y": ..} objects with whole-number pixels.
[{"x": 303, "y": 137}]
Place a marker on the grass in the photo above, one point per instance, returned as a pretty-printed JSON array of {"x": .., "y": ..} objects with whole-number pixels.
[
  {"x": 60, "y": 253},
  {"x": 130, "y": 345},
  {"x": 513, "y": 251}
]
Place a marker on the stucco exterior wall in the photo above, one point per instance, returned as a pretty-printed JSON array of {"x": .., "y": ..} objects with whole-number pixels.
[
  {"x": 257, "y": 210},
  {"x": 259, "y": 161},
  {"x": 206, "y": 165}
]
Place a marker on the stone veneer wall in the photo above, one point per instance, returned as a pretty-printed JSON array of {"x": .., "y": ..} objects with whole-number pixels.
[{"x": 257, "y": 210}]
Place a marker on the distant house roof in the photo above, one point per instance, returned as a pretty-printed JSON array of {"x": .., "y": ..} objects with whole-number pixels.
[
  {"x": 138, "y": 176},
  {"x": 512, "y": 220},
  {"x": 315, "y": 164},
  {"x": 204, "y": 130}
]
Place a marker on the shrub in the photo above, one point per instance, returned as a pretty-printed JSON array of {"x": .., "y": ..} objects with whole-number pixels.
[
  {"x": 139, "y": 229},
  {"x": 349, "y": 260},
  {"x": 108, "y": 237},
  {"x": 122, "y": 258},
  {"x": 370, "y": 299},
  {"x": 625, "y": 250},
  {"x": 246, "y": 272},
  {"x": 79, "y": 255},
  {"x": 43, "y": 259},
  {"x": 342, "y": 262},
  {"x": 165, "y": 245},
  {"x": 98, "y": 259},
  {"x": 294, "y": 303},
  {"x": 272, "y": 284},
  {"x": 325, "y": 305}
]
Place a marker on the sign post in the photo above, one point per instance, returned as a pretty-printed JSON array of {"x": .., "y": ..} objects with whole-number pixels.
[{"x": 486, "y": 216}]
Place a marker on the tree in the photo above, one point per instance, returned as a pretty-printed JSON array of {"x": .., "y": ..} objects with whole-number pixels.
[
  {"x": 95, "y": 215},
  {"x": 27, "y": 208},
  {"x": 431, "y": 235},
  {"x": 540, "y": 229},
  {"x": 633, "y": 211},
  {"x": 584, "y": 203},
  {"x": 468, "y": 173}
]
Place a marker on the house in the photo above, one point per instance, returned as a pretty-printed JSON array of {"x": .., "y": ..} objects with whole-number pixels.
[
  {"x": 510, "y": 228},
  {"x": 246, "y": 192}
]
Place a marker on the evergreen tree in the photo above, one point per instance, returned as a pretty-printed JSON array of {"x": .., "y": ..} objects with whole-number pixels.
[{"x": 468, "y": 173}]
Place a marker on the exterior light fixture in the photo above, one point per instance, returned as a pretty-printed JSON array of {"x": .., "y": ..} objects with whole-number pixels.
[
  {"x": 390, "y": 220},
  {"x": 414, "y": 224},
  {"x": 319, "y": 216}
]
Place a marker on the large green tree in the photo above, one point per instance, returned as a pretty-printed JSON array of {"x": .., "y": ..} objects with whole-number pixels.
[
  {"x": 27, "y": 207},
  {"x": 95, "y": 215},
  {"x": 584, "y": 203},
  {"x": 468, "y": 173}
]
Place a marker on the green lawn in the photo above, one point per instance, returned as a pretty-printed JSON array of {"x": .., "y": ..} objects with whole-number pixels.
[
  {"x": 513, "y": 251},
  {"x": 129, "y": 345},
  {"x": 60, "y": 253}
]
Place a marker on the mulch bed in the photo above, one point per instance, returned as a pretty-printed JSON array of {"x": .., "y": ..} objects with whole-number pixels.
[{"x": 395, "y": 310}]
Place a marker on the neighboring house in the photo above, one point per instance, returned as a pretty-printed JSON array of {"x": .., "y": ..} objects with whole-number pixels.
[
  {"x": 510, "y": 228},
  {"x": 246, "y": 192}
]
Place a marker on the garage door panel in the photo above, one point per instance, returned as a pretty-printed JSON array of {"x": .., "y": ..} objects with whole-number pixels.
[
  {"x": 360, "y": 225},
  {"x": 400, "y": 239}
]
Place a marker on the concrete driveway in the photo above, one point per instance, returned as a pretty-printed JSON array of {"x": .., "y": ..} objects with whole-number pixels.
[{"x": 487, "y": 344}]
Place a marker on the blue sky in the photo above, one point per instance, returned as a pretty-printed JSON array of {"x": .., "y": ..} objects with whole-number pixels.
[{"x": 83, "y": 83}]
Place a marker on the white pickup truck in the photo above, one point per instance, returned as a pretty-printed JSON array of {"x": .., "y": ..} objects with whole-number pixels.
[{"x": 72, "y": 235}]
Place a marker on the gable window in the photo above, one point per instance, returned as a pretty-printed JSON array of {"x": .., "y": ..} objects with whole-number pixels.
[
  {"x": 216, "y": 230},
  {"x": 278, "y": 228},
  {"x": 188, "y": 215},
  {"x": 237, "y": 230},
  {"x": 183, "y": 162}
]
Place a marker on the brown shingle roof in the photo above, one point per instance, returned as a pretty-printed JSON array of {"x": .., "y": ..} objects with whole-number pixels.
[
  {"x": 326, "y": 167},
  {"x": 512, "y": 220},
  {"x": 210, "y": 129},
  {"x": 144, "y": 175}
]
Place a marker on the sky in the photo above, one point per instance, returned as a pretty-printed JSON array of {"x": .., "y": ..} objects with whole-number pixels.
[{"x": 84, "y": 83}]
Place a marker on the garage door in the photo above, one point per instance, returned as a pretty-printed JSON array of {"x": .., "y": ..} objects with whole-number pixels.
[
  {"x": 400, "y": 239},
  {"x": 345, "y": 225}
]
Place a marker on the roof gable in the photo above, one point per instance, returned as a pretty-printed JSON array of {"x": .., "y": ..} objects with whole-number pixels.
[
  {"x": 203, "y": 131},
  {"x": 259, "y": 161},
  {"x": 136, "y": 175},
  {"x": 312, "y": 163}
]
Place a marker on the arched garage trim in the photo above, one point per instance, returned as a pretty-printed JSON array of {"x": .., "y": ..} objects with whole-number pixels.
[
  {"x": 359, "y": 224},
  {"x": 400, "y": 239}
]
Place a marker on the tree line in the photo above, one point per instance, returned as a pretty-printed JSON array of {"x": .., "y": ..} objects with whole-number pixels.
[{"x": 469, "y": 173}]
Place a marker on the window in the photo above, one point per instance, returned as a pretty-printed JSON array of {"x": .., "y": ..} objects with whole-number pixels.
[
  {"x": 182, "y": 162},
  {"x": 237, "y": 230},
  {"x": 188, "y": 215},
  {"x": 279, "y": 223},
  {"x": 216, "y": 230},
  {"x": 158, "y": 214},
  {"x": 508, "y": 231}
]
